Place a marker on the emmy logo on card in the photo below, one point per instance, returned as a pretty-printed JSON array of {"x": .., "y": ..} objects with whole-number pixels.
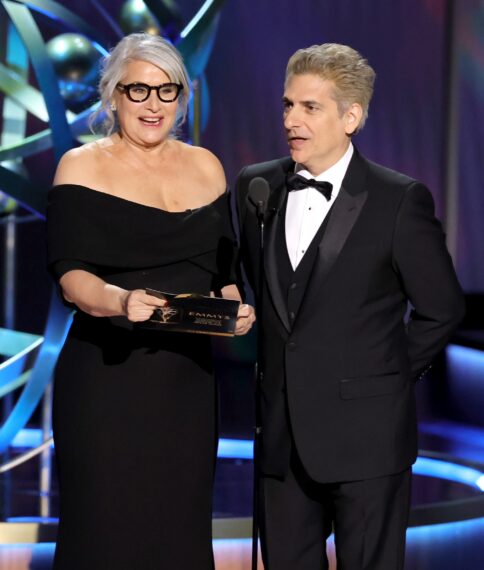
[{"x": 167, "y": 314}]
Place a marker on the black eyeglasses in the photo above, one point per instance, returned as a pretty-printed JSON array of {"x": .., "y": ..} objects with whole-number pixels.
[{"x": 139, "y": 92}]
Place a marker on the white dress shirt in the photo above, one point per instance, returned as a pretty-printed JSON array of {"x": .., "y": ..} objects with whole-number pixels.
[{"x": 307, "y": 208}]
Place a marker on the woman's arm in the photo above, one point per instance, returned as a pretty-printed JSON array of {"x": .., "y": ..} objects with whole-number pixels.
[
  {"x": 97, "y": 298},
  {"x": 88, "y": 292}
]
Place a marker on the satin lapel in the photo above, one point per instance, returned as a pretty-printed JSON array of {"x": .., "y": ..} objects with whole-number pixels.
[
  {"x": 274, "y": 218},
  {"x": 345, "y": 212}
]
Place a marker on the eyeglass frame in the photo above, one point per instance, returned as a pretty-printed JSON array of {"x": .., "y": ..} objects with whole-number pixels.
[{"x": 124, "y": 88}]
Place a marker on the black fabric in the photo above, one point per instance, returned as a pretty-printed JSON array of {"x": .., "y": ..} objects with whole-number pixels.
[
  {"x": 108, "y": 233},
  {"x": 369, "y": 519},
  {"x": 135, "y": 410},
  {"x": 294, "y": 282}
]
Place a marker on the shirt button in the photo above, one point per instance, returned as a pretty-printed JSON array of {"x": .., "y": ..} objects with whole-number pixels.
[
  {"x": 293, "y": 286},
  {"x": 292, "y": 315},
  {"x": 291, "y": 346}
]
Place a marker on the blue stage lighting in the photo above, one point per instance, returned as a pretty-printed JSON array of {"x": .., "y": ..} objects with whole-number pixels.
[
  {"x": 429, "y": 467},
  {"x": 235, "y": 449},
  {"x": 243, "y": 449}
]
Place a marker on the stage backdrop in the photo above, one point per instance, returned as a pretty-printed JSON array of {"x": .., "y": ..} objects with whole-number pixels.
[{"x": 406, "y": 41}]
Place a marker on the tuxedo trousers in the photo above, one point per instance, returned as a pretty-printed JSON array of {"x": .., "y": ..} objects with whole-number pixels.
[{"x": 369, "y": 519}]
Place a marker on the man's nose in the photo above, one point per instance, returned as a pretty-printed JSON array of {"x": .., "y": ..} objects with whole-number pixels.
[{"x": 291, "y": 118}]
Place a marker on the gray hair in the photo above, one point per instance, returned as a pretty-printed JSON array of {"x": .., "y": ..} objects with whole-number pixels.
[
  {"x": 139, "y": 47},
  {"x": 350, "y": 72}
]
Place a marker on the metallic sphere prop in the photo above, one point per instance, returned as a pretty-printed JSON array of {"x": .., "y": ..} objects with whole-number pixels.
[
  {"x": 135, "y": 16},
  {"x": 76, "y": 62}
]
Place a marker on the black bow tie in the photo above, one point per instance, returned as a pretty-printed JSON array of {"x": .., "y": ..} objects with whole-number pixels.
[{"x": 297, "y": 182}]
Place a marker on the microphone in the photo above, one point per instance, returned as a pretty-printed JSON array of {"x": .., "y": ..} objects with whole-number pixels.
[
  {"x": 259, "y": 191},
  {"x": 258, "y": 194}
]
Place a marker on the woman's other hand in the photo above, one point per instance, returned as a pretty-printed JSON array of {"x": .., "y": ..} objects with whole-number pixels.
[{"x": 245, "y": 319}]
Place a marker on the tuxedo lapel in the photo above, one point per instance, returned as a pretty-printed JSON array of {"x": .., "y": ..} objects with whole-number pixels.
[
  {"x": 273, "y": 219},
  {"x": 345, "y": 212}
]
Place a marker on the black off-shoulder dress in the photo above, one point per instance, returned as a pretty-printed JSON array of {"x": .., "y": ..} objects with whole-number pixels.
[{"x": 135, "y": 410}]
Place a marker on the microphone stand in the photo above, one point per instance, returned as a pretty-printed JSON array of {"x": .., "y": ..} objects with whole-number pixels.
[{"x": 259, "y": 376}]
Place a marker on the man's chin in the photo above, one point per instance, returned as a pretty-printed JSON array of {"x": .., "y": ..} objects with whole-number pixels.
[{"x": 297, "y": 155}]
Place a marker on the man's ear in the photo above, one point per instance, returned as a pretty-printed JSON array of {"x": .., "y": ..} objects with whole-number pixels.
[{"x": 353, "y": 116}]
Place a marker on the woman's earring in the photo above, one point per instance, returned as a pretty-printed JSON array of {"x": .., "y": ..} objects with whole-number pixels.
[{"x": 112, "y": 107}]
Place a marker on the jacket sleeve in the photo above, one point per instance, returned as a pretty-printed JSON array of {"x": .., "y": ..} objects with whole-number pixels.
[{"x": 428, "y": 278}]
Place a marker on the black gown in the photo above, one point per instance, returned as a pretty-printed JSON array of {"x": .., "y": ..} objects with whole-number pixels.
[{"x": 135, "y": 410}]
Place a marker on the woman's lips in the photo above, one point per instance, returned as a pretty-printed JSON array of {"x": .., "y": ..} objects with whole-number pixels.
[{"x": 151, "y": 121}]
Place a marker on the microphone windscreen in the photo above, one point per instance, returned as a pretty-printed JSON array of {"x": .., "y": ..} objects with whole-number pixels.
[{"x": 259, "y": 191}]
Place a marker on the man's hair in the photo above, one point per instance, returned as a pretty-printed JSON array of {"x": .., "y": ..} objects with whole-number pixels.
[{"x": 350, "y": 72}]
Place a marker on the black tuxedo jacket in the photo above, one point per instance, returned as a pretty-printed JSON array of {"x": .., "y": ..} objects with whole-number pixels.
[{"x": 339, "y": 380}]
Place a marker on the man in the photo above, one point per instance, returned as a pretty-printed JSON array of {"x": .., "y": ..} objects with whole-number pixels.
[{"x": 348, "y": 245}]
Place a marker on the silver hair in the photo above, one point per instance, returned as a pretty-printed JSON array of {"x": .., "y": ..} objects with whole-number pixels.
[
  {"x": 139, "y": 47},
  {"x": 350, "y": 72}
]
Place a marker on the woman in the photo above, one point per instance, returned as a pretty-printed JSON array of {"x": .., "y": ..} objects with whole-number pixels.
[{"x": 134, "y": 409}]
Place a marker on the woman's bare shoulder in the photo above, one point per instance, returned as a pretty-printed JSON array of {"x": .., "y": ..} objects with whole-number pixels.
[
  {"x": 80, "y": 165},
  {"x": 208, "y": 164}
]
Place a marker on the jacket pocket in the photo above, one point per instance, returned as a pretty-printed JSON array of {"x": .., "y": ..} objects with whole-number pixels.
[{"x": 371, "y": 386}]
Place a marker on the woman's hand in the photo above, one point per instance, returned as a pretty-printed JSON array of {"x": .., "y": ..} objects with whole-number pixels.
[
  {"x": 245, "y": 319},
  {"x": 139, "y": 306}
]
